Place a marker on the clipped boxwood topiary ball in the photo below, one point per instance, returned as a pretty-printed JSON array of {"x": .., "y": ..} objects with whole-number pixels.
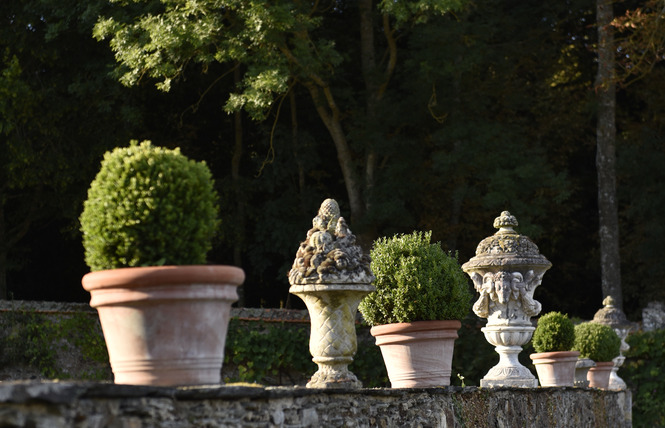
[
  {"x": 555, "y": 332},
  {"x": 149, "y": 206},
  {"x": 415, "y": 281},
  {"x": 596, "y": 341}
]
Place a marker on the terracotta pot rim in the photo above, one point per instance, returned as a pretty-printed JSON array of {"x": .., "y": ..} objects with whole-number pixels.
[
  {"x": 407, "y": 327},
  {"x": 554, "y": 354},
  {"x": 602, "y": 365},
  {"x": 134, "y": 277}
]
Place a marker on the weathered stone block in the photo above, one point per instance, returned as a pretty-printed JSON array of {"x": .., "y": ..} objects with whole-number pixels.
[
  {"x": 95, "y": 405},
  {"x": 653, "y": 316}
]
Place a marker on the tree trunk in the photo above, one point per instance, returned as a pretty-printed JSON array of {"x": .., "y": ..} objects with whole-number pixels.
[
  {"x": 296, "y": 150},
  {"x": 329, "y": 113},
  {"x": 367, "y": 54},
  {"x": 238, "y": 242},
  {"x": 3, "y": 255},
  {"x": 606, "y": 156},
  {"x": 359, "y": 182},
  {"x": 368, "y": 66}
]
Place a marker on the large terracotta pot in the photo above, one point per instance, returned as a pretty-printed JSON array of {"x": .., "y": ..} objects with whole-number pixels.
[
  {"x": 599, "y": 376},
  {"x": 417, "y": 354},
  {"x": 165, "y": 325},
  {"x": 556, "y": 368}
]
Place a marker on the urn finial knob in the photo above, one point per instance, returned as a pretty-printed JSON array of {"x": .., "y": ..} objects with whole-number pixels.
[
  {"x": 505, "y": 221},
  {"x": 608, "y": 302}
]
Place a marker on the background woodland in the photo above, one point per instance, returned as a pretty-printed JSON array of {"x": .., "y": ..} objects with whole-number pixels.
[{"x": 409, "y": 117}]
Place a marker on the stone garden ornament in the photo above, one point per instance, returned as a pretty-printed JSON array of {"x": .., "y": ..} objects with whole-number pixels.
[
  {"x": 506, "y": 270},
  {"x": 331, "y": 275},
  {"x": 614, "y": 317}
]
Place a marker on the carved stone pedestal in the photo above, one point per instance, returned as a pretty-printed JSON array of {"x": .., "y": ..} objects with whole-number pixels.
[
  {"x": 506, "y": 270},
  {"x": 331, "y": 275},
  {"x": 508, "y": 341},
  {"x": 332, "y": 342}
]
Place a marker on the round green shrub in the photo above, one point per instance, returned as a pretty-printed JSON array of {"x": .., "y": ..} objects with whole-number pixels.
[
  {"x": 555, "y": 332},
  {"x": 149, "y": 206},
  {"x": 415, "y": 281},
  {"x": 596, "y": 341}
]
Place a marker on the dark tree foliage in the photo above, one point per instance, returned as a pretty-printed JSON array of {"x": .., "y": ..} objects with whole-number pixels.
[
  {"x": 490, "y": 108},
  {"x": 58, "y": 110}
]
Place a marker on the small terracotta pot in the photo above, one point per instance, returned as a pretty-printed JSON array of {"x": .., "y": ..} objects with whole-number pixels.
[
  {"x": 417, "y": 354},
  {"x": 599, "y": 376},
  {"x": 165, "y": 325},
  {"x": 555, "y": 368}
]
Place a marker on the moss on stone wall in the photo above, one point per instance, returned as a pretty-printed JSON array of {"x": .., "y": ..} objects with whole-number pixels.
[
  {"x": 53, "y": 345},
  {"x": 57, "y": 341}
]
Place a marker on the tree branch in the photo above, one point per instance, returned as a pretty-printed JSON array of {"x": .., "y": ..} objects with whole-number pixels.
[{"x": 389, "y": 33}]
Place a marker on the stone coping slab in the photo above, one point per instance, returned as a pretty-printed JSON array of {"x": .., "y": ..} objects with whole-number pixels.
[
  {"x": 244, "y": 314},
  {"x": 29, "y": 404},
  {"x": 23, "y": 391}
]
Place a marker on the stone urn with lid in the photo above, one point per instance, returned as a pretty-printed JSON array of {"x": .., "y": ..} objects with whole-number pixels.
[
  {"x": 331, "y": 275},
  {"x": 506, "y": 270}
]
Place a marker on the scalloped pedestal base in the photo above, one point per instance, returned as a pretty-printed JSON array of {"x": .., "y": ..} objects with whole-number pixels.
[
  {"x": 334, "y": 376},
  {"x": 508, "y": 341},
  {"x": 511, "y": 376}
]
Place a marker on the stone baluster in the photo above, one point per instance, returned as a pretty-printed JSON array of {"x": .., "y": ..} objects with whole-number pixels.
[
  {"x": 331, "y": 275},
  {"x": 615, "y": 318}
]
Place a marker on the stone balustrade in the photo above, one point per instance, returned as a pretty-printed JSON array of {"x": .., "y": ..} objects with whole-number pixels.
[{"x": 49, "y": 404}]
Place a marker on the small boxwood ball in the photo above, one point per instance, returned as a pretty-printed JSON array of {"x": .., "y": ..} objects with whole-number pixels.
[{"x": 555, "y": 332}]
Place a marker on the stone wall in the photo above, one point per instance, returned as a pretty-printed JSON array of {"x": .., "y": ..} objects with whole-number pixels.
[
  {"x": 32, "y": 324},
  {"x": 104, "y": 405},
  {"x": 36, "y": 402}
]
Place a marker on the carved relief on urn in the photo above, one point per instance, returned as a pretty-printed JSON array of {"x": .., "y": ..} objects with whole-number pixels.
[
  {"x": 331, "y": 275},
  {"x": 505, "y": 271}
]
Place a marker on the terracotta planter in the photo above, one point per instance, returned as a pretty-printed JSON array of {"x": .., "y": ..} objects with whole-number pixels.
[
  {"x": 599, "y": 376},
  {"x": 417, "y": 354},
  {"x": 165, "y": 325},
  {"x": 556, "y": 368}
]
